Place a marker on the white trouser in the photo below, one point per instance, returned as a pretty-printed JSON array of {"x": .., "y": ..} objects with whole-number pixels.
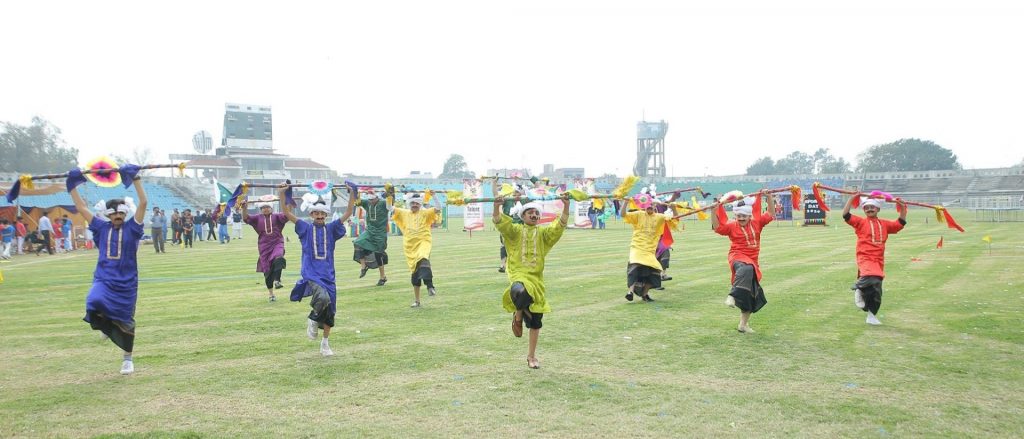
[{"x": 7, "y": 250}]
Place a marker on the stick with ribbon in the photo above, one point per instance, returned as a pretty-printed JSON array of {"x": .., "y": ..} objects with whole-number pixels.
[
  {"x": 941, "y": 214},
  {"x": 736, "y": 198},
  {"x": 111, "y": 174}
]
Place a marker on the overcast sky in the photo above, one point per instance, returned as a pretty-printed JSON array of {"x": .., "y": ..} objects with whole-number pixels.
[{"x": 383, "y": 88}]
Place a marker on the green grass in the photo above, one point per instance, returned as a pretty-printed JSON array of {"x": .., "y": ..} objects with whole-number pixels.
[{"x": 214, "y": 359}]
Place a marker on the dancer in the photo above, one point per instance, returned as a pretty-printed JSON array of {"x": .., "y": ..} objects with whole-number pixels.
[
  {"x": 745, "y": 234},
  {"x": 117, "y": 231},
  {"x": 317, "y": 279},
  {"x": 528, "y": 247},
  {"x": 370, "y": 248},
  {"x": 643, "y": 271},
  {"x": 415, "y": 223},
  {"x": 872, "y": 232},
  {"x": 270, "y": 242}
]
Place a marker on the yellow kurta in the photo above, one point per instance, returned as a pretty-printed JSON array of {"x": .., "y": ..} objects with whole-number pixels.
[
  {"x": 416, "y": 238},
  {"x": 647, "y": 230},
  {"x": 527, "y": 248}
]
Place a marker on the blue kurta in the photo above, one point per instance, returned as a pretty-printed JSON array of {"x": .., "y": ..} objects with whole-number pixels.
[
  {"x": 110, "y": 306},
  {"x": 317, "y": 258}
]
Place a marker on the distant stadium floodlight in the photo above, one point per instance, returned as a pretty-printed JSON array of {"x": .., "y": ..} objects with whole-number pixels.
[{"x": 202, "y": 142}]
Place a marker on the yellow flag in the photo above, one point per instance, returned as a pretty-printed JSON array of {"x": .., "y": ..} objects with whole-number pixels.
[
  {"x": 987, "y": 238},
  {"x": 1, "y": 277}
]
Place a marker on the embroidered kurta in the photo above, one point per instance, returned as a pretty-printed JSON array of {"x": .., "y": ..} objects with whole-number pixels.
[
  {"x": 647, "y": 231},
  {"x": 116, "y": 279},
  {"x": 271, "y": 240},
  {"x": 871, "y": 237},
  {"x": 746, "y": 241},
  {"x": 375, "y": 238},
  {"x": 317, "y": 258},
  {"x": 416, "y": 237},
  {"x": 528, "y": 247}
]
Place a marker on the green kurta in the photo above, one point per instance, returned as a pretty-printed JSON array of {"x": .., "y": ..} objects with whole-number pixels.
[
  {"x": 375, "y": 238},
  {"x": 527, "y": 248}
]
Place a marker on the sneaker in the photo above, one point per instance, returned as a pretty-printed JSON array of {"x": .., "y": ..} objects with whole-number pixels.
[
  {"x": 277, "y": 285},
  {"x": 362, "y": 272},
  {"x": 380, "y": 283},
  {"x": 872, "y": 320},
  {"x": 730, "y": 302},
  {"x": 311, "y": 329},
  {"x": 431, "y": 291},
  {"x": 127, "y": 367},
  {"x": 501, "y": 269},
  {"x": 858, "y": 299},
  {"x": 325, "y": 349},
  {"x": 629, "y": 296},
  {"x": 273, "y": 298},
  {"x": 415, "y": 305}
]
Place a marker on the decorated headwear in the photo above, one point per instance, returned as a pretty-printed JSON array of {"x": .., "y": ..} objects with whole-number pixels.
[
  {"x": 314, "y": 203},
  {"x": 414, "y": 197},
  {"x": 744, "y": 206},
  {"x": 865, "y": 202},
  {"x": 530, "y": 205}
]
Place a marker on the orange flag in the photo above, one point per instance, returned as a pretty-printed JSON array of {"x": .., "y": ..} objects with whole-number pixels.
[{"x": 939, "y": 245}]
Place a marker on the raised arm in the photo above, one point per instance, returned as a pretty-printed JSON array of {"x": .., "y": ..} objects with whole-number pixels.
[
  {"x": 285, "y": 207},
  {"x": 140, "y": 211},
  {"x": 499, "y": 201},
  {"x": 849, "y": 204},
  {"x": 564, "y": 219},
  {"x": 351, "y": 206},
  {"x": 902, "y": 208},
  {"x": 80, "y": 205},
  {"x": 715, "y": 222},
  {"x": 771, "y": 204}
]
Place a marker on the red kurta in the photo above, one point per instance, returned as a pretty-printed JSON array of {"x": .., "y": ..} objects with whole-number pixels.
[
  {"x": 871, "y": 236},
  {"x": 746, "y": 241}
]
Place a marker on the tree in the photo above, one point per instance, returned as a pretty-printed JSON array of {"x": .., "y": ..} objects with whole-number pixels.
[
  {"x": 826, "y": 163},
  {"x": 141, "y": 155},
  {"x": 35, "y": 149},
  {"x": 795, "y": 163},
  {"x": 907, "y": 155},
  {"x": 455, "y": 167},
  {"x": 762, "y": 166}
]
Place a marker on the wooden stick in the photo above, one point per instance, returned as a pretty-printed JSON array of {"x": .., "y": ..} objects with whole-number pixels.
[
  {"x": 717, "y": 203},
  {"x": 102, "y": 171},
  {"x": 275, "y": 186}
]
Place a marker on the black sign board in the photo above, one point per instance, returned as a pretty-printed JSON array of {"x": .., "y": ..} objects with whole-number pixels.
[{"x": 813, "y": 215}]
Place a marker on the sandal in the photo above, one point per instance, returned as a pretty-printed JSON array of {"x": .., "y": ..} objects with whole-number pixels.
[{"x": 517, "y": 324}]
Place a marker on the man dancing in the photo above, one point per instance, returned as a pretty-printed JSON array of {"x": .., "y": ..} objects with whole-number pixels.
[
  {"x": 110, "y": 305},
  {"x": 370, "y": 248},
  {"x": 872, "y": 232},
  {"x": 415, "y": 223},
  {"x": 270, "y": 242},
  {"x": 643, "y": 271},
  {"x": 317, "y": 279},
  {"x": 745, "y": 234}
]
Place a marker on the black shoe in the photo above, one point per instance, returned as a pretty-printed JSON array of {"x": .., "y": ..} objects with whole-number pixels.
[
  {"x": 277, "y": 285},
  {"x": 501, "y": 269},
  {"x": 629, "y": 296},
  {"x": 647, "y": 298},
  {"x": 660, "y": 288},
  {"x": 380, "y": 283},
  {"x": 362, "y": 272},
  {"x": 666, "y": 278}
]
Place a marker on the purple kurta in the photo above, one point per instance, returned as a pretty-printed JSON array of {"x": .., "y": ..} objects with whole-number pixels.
[{"x": 271, "y": 242}]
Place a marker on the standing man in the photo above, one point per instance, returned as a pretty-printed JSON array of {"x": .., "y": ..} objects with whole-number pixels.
[
  {"x": 157, "y": 226},
  {"x": 270, "y": 242},
  {"x": 745, "y": 234},
  {"x": 317, "y": 273},
  {"x": 110, "y": 306},
  {"x": 236, "y": 219},
  {"x": 6, "y": 238},
  {"x": 222, "y": 224},
  {"x": 211, "y": 224},
  {"x": 176, "y": 226},
  {"x": 188, "y": 225},
  {"x": 371, "y": 246},
  {"x": 528, "y": 246},
  {"x": 200, "y": 222},
  {"x": 20, "y": 233},
  {"x": 872, "y": 232},
  {"x": 67, "y": 229},
  {"x": 45, "y": 229},
  {"x": 415, "y": 223}
]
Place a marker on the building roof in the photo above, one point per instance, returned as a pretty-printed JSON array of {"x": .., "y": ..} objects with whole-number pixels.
[
  {"x": 212, "y": 162},
  {"x": 303, "y": 164}
]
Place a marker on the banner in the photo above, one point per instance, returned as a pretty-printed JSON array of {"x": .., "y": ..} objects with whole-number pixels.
[
  {"x": 550, "y": 209},
  {"x": 473, "y": 216},
  {"x": 581, "y": 218}
]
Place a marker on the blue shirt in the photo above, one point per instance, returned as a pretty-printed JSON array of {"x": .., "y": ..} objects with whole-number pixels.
[
  {"x": 318, "y": 251},
  {"x": 118, "y": 249},
  {"x": 7, "y": 233},
  {"x": 65, "y": 227}
]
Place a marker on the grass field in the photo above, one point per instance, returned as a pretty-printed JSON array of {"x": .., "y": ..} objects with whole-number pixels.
[{"x": 215, "y": 359}]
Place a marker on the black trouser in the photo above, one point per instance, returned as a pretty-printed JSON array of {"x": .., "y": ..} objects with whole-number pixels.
[
  {"x": 274, "y": 273},
  {"x": 871, "y": 291},
  {"x": 46, "y": 243},
  {"x": 423, "y": 275},
  {"x": 158, "y": 238},
  {"x": 187, "y": 236},
  {"x": 211, "y": 235}
]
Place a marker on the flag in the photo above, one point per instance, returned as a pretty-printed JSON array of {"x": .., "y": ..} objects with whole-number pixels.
[
  {"x": 939, "y": 245},
  {"x": 987, "y": 238},
  {"x": 1, "y": 277},
  {"x": 223, "y": 193}
]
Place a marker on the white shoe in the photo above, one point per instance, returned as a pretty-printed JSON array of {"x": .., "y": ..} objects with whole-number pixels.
[
  {"x": 745, "y": 329},
  {"x": 730, "y": 301},
  {"x": 311, "y": 329},
  {"x": 872, "y": 320},
  {"x": 127, "y": 367},
  {"x": 415, "y": 305},
  {"x": 858, "y": 299},
  {"x": 104, "y": 337},
  {"x": 325, "y": 349}
]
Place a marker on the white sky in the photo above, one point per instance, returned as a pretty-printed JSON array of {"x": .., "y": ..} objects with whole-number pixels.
[{"x": 386, "y": 87}]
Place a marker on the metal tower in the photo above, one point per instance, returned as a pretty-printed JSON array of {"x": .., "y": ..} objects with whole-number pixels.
[{"x": 650, "y": 149}]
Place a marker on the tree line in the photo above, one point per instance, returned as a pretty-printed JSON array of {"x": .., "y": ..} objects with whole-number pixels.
[{"x": 901, "y": 155}]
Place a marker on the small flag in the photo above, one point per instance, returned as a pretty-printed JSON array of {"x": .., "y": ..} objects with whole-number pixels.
[
  {"x": 987, "y": 238},
  {"x": 1, "y": 277},
  {"x": 939, "y": 245}
]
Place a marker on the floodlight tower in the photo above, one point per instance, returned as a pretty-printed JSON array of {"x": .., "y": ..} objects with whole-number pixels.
[{"x": 650, "y": 149}]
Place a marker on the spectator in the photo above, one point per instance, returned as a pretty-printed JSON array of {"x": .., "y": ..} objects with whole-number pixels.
[
  {"x": 176, "y": 226},
  {"x": 6, "y": 238},
  {"x": 237, "y": 219},
  {"x": 67, "y": 228},
  {"x": 20, "y": 232},
  {"x": 222, "y": 221},
  {"x": 158, "y": 224},
  {"x": 46, "y": 230},
  {"x": 210, "y": 225},
  {"x": 200, "y": 221}
]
